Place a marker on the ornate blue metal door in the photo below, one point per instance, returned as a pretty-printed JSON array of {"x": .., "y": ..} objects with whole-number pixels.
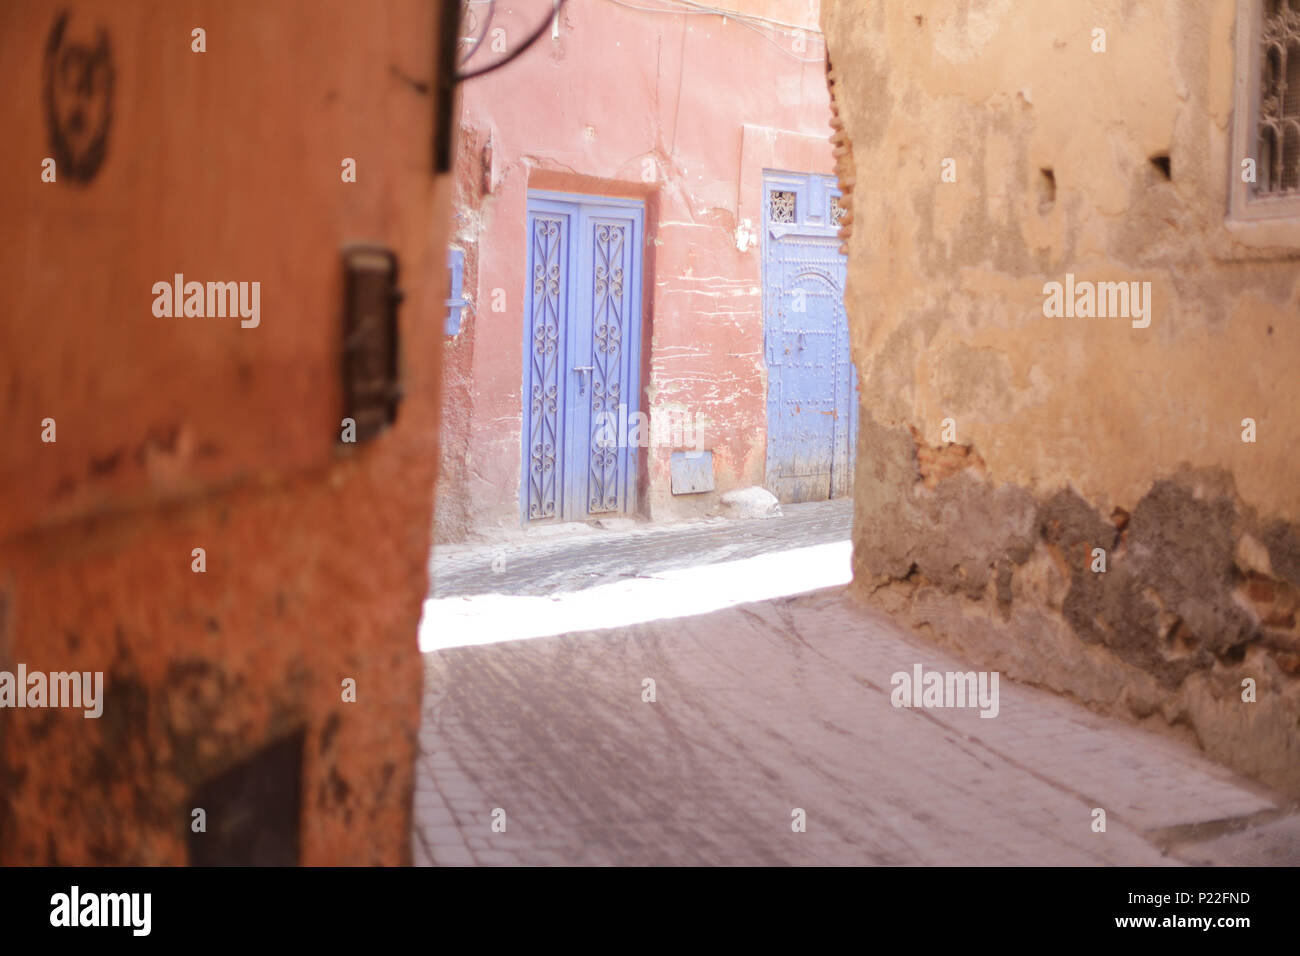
[
  {"x": 812, "y": 402},
  {"x": 582, "y": 345}
]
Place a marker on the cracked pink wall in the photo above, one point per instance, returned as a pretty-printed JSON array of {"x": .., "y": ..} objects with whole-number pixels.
[{"x": 703, "y": 99}]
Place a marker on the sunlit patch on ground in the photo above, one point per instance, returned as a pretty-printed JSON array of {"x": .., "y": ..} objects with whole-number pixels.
[{"x": 682, "y": 592}]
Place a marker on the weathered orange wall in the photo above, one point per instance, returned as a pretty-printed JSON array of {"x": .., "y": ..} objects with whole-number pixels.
[
  {"x": 582, "y": 113},
  {"x": 178, "y": 433}
]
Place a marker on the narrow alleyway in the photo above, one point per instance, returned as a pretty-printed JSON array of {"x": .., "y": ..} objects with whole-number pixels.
[{"x": 769, "y": 707}]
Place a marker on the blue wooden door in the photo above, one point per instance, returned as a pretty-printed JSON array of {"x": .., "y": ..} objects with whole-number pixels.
[
  {"x": 812, "y": 385},
  {"x": 582, "y": 357}
]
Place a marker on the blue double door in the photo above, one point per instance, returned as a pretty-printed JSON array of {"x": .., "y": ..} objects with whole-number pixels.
[
  {"x": 582, "y": 357},
  {"x": 812, "y": 405}
]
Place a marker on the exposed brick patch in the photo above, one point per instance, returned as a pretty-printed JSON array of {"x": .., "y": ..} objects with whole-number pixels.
[
  {"x": 938, "y": 462},
  {"x": 1273, "y": 601}
]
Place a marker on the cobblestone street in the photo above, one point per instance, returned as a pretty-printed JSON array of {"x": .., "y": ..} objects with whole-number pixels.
[{"x": 769, "y": 707}]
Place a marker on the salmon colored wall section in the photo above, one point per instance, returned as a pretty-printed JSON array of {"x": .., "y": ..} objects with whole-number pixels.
[
  {"x": 621, "y": 91},
  {"x": 179, "y": 433}
]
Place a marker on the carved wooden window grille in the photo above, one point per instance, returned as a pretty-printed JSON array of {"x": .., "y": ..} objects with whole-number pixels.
[
  {"x": 781, "y": 206},
  {"x": 1278, "y": 118}
]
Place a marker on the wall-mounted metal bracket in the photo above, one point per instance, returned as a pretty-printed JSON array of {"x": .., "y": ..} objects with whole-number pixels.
[{"x": 371, "y": 389}]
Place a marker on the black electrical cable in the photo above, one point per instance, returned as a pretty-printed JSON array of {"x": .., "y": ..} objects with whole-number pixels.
[{"x": 462, "y": 77}]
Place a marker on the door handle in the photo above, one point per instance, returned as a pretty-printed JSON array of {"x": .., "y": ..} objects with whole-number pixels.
[
  {"x": 802, "y": 343},
  {"x": 582, "y": 382}
]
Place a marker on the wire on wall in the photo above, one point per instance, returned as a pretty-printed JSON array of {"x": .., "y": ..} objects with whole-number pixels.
[{"x": 532, "y": 38}]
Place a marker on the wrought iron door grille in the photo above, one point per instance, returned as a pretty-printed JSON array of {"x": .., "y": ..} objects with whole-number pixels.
[
  {"x": 782, "y": 206},
  {"x": 838, "y": 209}
]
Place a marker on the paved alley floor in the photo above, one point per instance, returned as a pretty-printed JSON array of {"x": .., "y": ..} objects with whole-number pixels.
[
  {"x": 573, "y": 556},
  {"x": 768, "y": 711},
  {"x": 634, "y": 599}
]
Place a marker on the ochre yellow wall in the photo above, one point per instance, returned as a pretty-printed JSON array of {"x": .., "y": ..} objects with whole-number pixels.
[{"x": 1074, "y": 433}]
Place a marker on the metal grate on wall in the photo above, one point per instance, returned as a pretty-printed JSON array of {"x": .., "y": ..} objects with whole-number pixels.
[
  {"x": 1279, "y": 99},
  {"x": 781, "y": 208}
]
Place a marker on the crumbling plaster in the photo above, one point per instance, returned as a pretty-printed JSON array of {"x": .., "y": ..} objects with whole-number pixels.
[{"x": 1080, "y": 433}]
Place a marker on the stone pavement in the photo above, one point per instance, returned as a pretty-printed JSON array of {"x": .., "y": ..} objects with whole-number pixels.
[
  {"x": 574, "y": 556},
  {"x": 770, "y": 707}
]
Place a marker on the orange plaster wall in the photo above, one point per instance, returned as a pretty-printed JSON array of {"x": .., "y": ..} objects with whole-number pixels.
[{"x": 178, "y": 433}]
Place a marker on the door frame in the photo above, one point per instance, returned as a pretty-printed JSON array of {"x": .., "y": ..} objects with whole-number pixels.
[
  {"x": 576, "y": 206},
  {"x": 805, "y": 185}
]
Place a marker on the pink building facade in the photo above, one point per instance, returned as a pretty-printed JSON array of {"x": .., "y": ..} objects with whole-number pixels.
[{"x": 655, "y": 183}]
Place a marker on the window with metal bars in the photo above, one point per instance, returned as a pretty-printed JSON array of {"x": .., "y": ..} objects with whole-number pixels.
[
  {"x": 1277, "y": 118},
  {"x": 839, "y": 206},
  {"x": 781, "y": 206},
  {"x": 1265, "y": 162}
]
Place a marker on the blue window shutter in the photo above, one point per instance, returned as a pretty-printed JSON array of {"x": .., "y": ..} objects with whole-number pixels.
[{"x": 456, "y": 303}]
